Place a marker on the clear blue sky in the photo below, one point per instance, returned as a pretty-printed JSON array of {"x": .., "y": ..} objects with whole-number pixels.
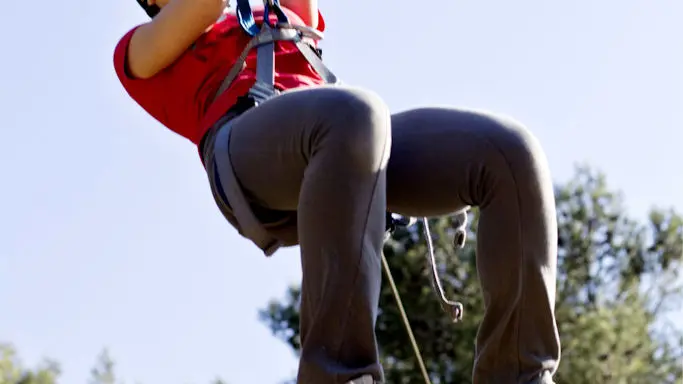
[{"x": 108, "y": 233}]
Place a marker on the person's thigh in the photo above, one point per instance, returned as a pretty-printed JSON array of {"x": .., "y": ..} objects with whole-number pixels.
[
  {"x": 272, "y": 144},
  {"x": 439, "y": 156},
  {"x": 322, "y": 152}
]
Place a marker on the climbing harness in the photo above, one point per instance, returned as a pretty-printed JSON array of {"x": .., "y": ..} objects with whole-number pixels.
[
  {"x": 305, "y": 38},
  {"x": 263, "y": 39}
]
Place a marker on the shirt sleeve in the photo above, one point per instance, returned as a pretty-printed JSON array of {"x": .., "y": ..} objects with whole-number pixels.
[
  {"x": 321, "y": 22},
  {"x": 148, "y": 93}
]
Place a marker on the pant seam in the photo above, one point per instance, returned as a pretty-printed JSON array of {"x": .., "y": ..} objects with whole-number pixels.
[
  {"x": 523, "y": 253},
  {"x": 364, "y": 234}
]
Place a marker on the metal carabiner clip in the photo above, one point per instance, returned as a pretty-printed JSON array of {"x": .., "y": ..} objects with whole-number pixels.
[
  {"x": 274, "y": 6},
  {"x": 246, "y": 16},
  {"x": 454, "y": 309}
]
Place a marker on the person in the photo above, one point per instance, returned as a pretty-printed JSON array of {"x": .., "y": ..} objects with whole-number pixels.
[{"x": 320, "y": 165}]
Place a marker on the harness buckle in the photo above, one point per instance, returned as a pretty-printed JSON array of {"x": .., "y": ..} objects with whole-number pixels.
[{"x": 262, "y": 91}]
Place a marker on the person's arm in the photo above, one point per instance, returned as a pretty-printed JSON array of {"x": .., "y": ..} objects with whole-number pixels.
[
  {"x": 157, "y": 44},
  {"x": 306, "y": 9}
]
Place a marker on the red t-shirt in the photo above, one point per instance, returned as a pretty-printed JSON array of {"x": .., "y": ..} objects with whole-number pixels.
[{"x": 179, "y": 97}]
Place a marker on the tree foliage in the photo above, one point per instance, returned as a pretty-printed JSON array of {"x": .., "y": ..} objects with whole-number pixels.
[
  {"x": 617, "y": 279},
  {"x": 12, "y": 371},
  {"x": 103, "y": 371}
]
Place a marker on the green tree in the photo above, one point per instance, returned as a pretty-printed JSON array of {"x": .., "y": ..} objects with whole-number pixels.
[
  {"x": 617, "y": 279},
  {"x": 103, "y": 371},
  {"x": 12, "y": 371},
  {"x": 48, "y": 372}
]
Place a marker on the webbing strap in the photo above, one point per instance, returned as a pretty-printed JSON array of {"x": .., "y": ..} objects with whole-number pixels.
[
  {"x": 264, "y": 88},
  {"x": 317, "y": 64},
  {"x": 264, "y": 41},
  {"x": 250, "y": 225},
  {"x": 246, "y": 18},
  {"x": 266, "y": 36}
]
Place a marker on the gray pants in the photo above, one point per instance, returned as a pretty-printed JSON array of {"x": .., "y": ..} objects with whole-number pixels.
[{"x": 320, "y": 167}]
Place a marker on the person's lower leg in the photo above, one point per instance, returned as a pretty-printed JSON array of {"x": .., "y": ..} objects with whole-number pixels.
[
  {"x": 341, "y": 230},
  {"x": 516, "y": 259},
  {"x": 444, "y": 159},
  {"x": 516, "y": 244}
]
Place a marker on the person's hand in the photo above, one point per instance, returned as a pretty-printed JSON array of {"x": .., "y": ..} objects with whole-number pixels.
[{"x": 158, "y": 3}]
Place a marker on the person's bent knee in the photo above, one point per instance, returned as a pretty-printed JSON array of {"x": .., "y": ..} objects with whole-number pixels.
[
  {"x": 520, "y": 148},
  {"x": 355, "y": 122},
  {"x": 362, "y": 113}
]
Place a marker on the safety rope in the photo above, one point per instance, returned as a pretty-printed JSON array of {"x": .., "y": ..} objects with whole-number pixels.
[
  {"x": 406, "y": 322},
  {"x": 453, "y": 308}
]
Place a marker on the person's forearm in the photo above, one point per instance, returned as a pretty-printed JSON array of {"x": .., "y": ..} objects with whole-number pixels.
[
  {"x": 306, "y": 9},
  {"x": 156, "y": 44}
]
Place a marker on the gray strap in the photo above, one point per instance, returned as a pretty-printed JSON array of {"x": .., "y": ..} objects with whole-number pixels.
[
  {"x": 265, "y": 71},
  {"x": 316, "y": 63},
  {"x": 267, "y": 35},
  {"x": 265, "y": 58},
  {"x": 310, "y": 54},
  {"x": 264, "y": 88},
  {"x": 250, "y": 226}
]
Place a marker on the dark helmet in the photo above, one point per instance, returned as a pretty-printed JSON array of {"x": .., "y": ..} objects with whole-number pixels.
[{"x": 150, "y": 10}]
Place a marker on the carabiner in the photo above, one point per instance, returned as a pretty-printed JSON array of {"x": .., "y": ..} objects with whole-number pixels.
[
  {"x": 274, "y": 5},
  {"x": 246, "y": 16}
]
